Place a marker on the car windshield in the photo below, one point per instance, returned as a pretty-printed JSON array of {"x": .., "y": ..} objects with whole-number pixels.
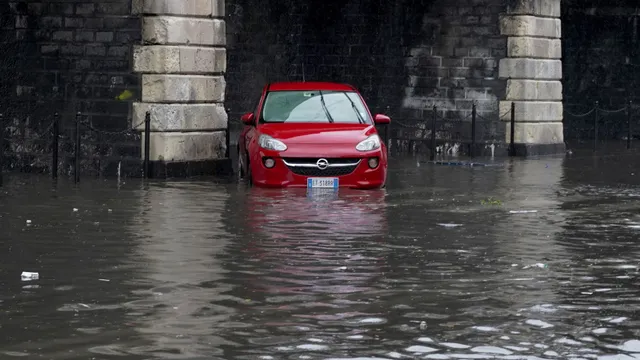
[{"x": 314, "y": 106}]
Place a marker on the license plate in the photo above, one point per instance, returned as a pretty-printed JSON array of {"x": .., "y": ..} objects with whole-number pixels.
[{"x": 313, "y": 183}]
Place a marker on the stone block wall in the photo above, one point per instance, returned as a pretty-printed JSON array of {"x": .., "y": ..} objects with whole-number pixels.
[
  {"x": 68, "y": 56},
  {"x": 455, "y": 64},
  {"x": 182, "y": 61},
  {"x": 533, "y": 70}
]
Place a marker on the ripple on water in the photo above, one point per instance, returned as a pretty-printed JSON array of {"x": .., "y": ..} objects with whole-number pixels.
[{"x": 234, "y": 273}]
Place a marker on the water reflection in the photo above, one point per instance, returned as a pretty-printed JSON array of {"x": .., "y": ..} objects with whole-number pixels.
[
  {"x": 316, "y": 215},
  {"x": 310, "y": 262},
  {"x": 180, "y": 235}
]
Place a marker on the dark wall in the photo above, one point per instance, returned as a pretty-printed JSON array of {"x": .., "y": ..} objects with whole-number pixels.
[
  {"x": 68, "y": 56},
  {"x": 601, "y": 63},
  {"x": 404, "y": 55}
]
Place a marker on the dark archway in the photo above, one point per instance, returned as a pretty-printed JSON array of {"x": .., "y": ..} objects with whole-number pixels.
[
  {"x": 600, "y": 63},
  {"x": 364, "y": 43}
]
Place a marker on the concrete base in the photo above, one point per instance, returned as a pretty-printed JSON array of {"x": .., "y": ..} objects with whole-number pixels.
[
  {"x": 525, "y": 150},
  {"x": 221, "y": 168}
]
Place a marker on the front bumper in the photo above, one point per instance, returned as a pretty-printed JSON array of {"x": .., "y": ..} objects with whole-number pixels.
[{"x": 352, "y": 172}]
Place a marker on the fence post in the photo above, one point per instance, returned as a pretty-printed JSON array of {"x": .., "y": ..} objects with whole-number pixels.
[
  {"x": 147, "y": 146},
  {"x": 1, "y": 147},
  {"x": 76, "y": 165},
  {"x": 54, "y": 146},
  {"x": 472, "y": 150},
  {"x": 595, "y": 127},
  {"x": 512, "y": 140},
  {"x": 433, "y": 133},
  {"x": 629, "y": 129}
]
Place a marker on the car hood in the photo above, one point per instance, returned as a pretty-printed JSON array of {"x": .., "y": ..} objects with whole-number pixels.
[{"x": 319, "y": 133}]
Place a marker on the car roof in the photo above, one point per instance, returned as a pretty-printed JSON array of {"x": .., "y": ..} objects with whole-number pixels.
[{"x": 309, "y": 85}]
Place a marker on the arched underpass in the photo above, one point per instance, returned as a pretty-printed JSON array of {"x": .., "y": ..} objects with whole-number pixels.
[{"x": 114, "y": 61}]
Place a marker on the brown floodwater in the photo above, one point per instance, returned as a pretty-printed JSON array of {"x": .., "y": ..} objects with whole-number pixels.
[{"x": 530, "y": 259}]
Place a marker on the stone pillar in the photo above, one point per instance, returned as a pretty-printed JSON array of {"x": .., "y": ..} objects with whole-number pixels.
[
  {"x": 182, "y": 61},
  {"x": 533, "y": 69}
]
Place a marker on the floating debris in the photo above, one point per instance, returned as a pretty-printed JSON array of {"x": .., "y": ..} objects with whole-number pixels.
[
  {"x": 29, "y": 276},
  {"x": 491, "y": 201},
  {"x": 450, "y": 225},
  {"x": 465, "y": 163},
  {"x": 523, "y": 211},
  {"x": 538, "y": 265}
]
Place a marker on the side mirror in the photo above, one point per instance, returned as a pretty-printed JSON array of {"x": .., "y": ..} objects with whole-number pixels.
[
  {"x": 380, "y": 119},
  {"x": 248, "y": 119}
]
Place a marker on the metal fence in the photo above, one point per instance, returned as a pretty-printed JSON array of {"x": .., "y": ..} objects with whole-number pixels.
[
  {"x": 598, "y": 125},
  {"x": 441, "y": 135},
  {"x": 595, "y": 125},
  {"x": 436, "y": 132},
  {"x": 55, "y": 138}
]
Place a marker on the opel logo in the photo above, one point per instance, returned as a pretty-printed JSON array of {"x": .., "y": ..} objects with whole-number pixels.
[{"x": 322, "y": 164}]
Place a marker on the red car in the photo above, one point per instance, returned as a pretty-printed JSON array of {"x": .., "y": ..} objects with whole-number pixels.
[{"x": 313, "y": 135}]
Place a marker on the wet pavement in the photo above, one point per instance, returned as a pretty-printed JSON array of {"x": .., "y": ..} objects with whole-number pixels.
[{"x": 534, "y": 259}]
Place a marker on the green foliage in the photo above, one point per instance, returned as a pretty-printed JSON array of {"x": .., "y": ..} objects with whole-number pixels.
[{"x": 491, "y": 201}]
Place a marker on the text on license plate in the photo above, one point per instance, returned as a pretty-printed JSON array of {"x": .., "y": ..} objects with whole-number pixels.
[{"x": 322, "y": 183}]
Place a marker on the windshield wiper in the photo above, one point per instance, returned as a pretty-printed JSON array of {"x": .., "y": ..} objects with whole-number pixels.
[
  {"x": 324, "y": 107},
  {"x": 355, "y": 108}
]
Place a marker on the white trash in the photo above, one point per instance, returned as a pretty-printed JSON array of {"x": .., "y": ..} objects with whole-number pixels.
[
  {"x": 28, "y": 276},
  {"x": 450, "y": 225},
  {"x": 523, "y": 211},
  {"x": 538, "y": 265}
]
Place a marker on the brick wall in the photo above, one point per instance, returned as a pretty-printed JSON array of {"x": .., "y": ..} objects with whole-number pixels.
[
  {"x": 68, "y": 56},
  {"x": 453, "y": 63},
  {"x": 406, "y": 55}
]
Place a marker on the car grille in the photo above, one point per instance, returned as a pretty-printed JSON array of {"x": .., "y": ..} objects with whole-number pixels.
[{"x": 308, "y": 167}]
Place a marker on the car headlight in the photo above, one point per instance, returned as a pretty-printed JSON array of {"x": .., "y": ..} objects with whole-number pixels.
[
  {"x": 368, "y": 144},
  {"x": 269, "y": 143}
]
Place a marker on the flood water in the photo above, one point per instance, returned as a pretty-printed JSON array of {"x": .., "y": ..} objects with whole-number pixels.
[{"x": 535, "y": 259}]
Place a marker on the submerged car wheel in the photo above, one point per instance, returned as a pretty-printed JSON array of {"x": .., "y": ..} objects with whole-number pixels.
[
  {"x": 249, "y": 175},
  {"x": 242, "y": 175},
  {"x": 239, "y": 170}
]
